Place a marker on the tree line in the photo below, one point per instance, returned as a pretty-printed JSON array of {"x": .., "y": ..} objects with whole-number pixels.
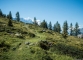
[
  {"x": 9, "y": 16},
  {"x": 74, "y": 30}
]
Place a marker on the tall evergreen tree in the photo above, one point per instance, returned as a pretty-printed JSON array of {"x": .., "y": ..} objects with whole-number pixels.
[
  {"x": 18, "y": 16},
  {"x": 76, "y": 29},
  {"x": 71, "y": 29},
  {"x": 57, "y": 27},
  {"x": 10, "y": 15},
  {"x": 44, "y": 24},
  {"x": 54, "y": 28},
  {"x": 65, "y": 29},
  {"x": 35, "y": 22},
  {"x": 1, "y": 14},
  {"x": 50, "y": 26}
]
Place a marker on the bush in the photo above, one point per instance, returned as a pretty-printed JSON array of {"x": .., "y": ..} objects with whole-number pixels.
[
  {"x": 20, "y": 36},
  {"x": 46, "y": 58},
  {"x": 2, "y": 28},
  {"x": 4, "y": 46},
  {"x": 40, "y": 31},
  {"x": 64, "y": 36},
  {"x": 24, "y": 32},
  {"x": 68, "y": 50},
  {"x": 32, "y": 51},
  {"x": 31, "y": 34},
  {"x": 44, "y": 45}
]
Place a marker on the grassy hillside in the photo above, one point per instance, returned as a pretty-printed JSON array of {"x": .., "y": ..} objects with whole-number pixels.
[{"x": 29, "y": 42}]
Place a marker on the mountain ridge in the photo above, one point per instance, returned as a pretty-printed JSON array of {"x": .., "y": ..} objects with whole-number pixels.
[{"x": 28, "y": 20}]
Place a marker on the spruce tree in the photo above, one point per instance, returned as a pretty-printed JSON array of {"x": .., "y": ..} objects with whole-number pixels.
[
  {"x": 44, "y": 24},
  {"x": 71, "y": 29},
  {"x": 10, "y": 19},
  {"x": 10, "y": 15},
  {"x": 76, "y": 29},
  {"x": 54, "y": 28},
  {"x": 57, "y": 27},
  {"x": 65, "y": 29},
  {"x": 1, "y": 14},
  {"x": 18, "y": 16},
  {"x": 50, "y": 26},
  {"x": 35, "y": 22}
]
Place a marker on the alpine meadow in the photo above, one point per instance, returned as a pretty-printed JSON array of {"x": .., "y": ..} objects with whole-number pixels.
[{"x": 40, "y": 39}]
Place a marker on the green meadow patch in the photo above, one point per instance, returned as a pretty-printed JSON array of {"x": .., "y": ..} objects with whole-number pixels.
[{"x": 29, "y": 42}]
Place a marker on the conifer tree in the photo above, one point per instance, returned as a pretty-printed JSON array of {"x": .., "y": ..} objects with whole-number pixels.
[
  {"x": 1, "y": 14},
  {"x": 10, "y": 19},
  {"x": 18, "y": 16},
  {"x": 71, "y": 29},
  {"x": 65, "y": 29},
  {"x": 54, "y": 28},
  {"x": 76, "y": 29},
  {"x": 10, "y": 15},
  {"x": 44, "y": 24},
  {"x": 35, "y": 22},
  {"x": 50, "y": 26},
  {"x": 57, "y": 27}
]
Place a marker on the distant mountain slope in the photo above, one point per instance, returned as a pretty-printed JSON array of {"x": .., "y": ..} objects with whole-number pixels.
[
  {"x": 24, "y": 20},
  {"x": 28, "y": 20}
]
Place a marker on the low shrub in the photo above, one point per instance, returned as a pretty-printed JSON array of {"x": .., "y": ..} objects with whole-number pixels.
[
  {"x": 2, "y": 29},
  {"x": 68, "y": 50},
  {"x": 4, "y": 46},
  {"x": 47, "y": 57},
  {"x": 21, "y": 37},
  {"x": 24, "y": 32},
  {"x": 31, "y": 34},
  {"x": 44, "y": 45},
  {"x": 40, "y": 31}
]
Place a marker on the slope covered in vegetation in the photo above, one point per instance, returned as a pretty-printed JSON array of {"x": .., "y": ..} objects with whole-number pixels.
[{"x": 30, "y": 42}]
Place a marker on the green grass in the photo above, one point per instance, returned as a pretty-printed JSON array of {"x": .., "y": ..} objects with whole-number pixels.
[{"x": 20, "y": 51}]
